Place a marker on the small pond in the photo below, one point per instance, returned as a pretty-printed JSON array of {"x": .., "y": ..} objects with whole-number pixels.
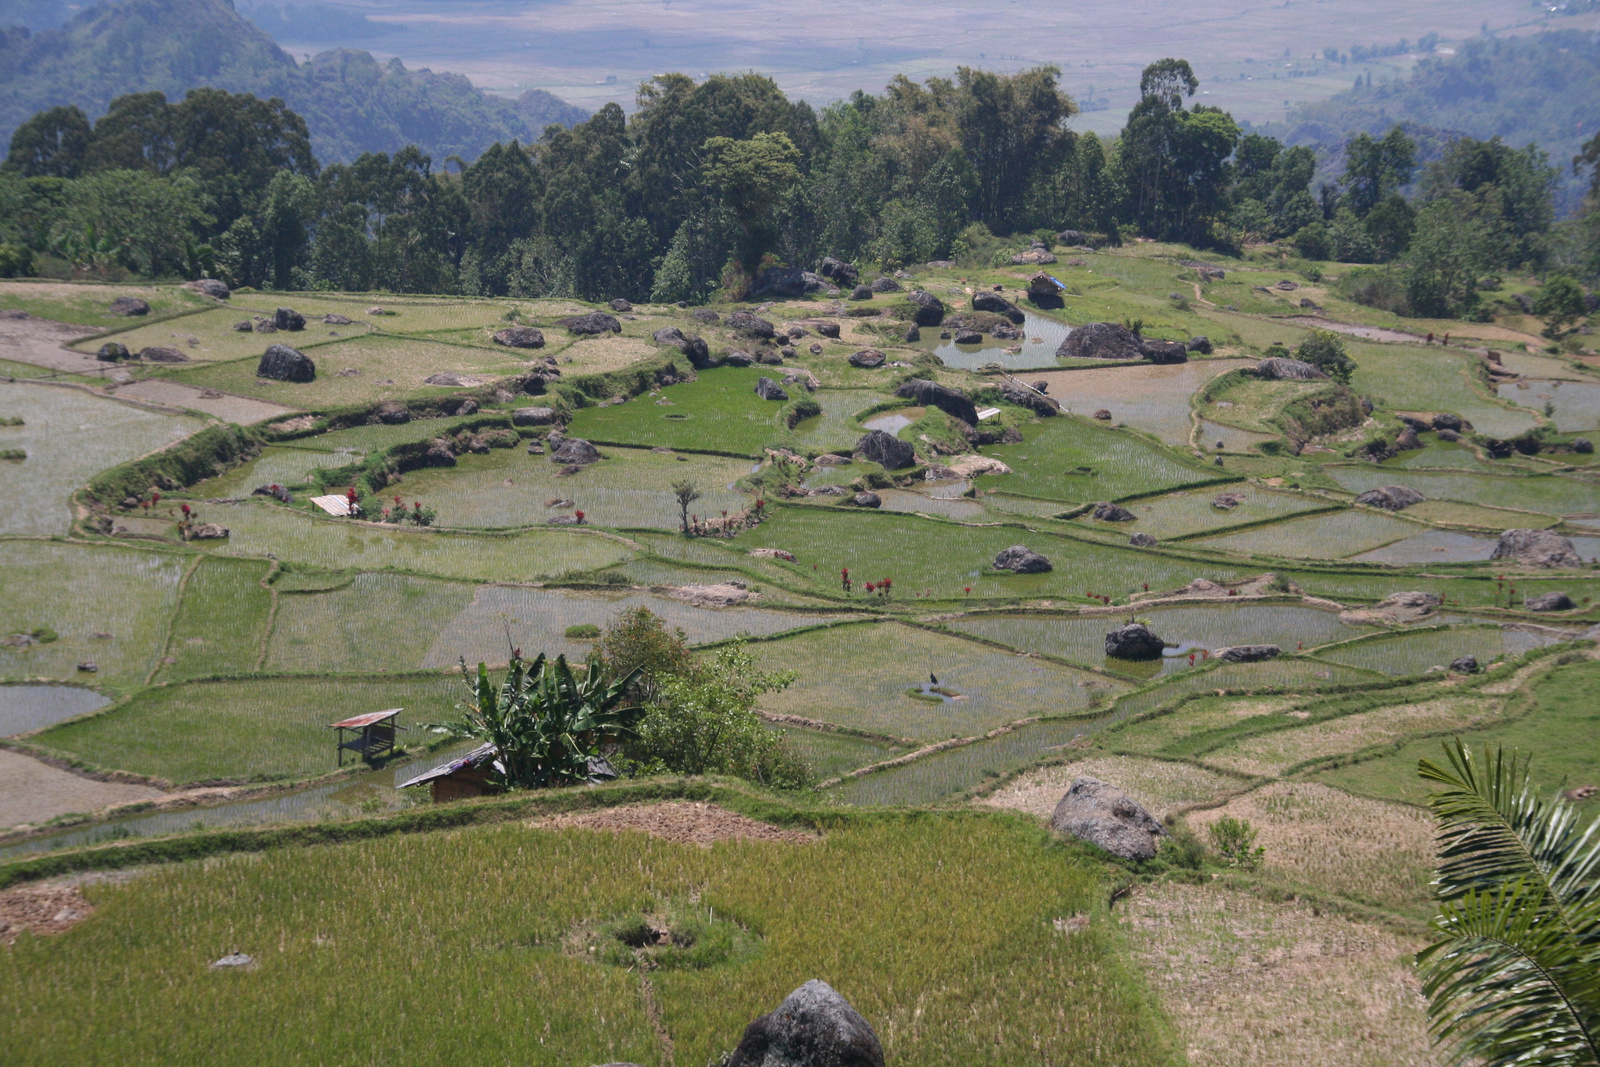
[
  {"x": 24, "y": 708},
  {"x": 1041, "y": 338},
  {"x": 890, "y": 422}
]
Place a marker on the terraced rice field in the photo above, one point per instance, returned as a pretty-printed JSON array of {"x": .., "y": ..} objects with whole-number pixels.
[
  {"x": 1550, "y": 494},
  {"x": 24, "y": 708},
  {"x": 1414, "y": 653},
  {"x": 947, "y": 775},
  {"x": 1147, "y": 396},
  {"x": 1047, "y": 465},
  {"x": 1190, "y": 512},
  {"x": 1575, "y": 406},
  {"x": 1334, "y": 536}
]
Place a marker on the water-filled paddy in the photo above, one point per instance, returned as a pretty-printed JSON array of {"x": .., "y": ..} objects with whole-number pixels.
[
  {"x": 33, "y": 707},
  {"x": 1331, "y": 536},
  {"x": 1147, "y": 396},
  {"x": 944, "y": 774},
  {"x": 1548, "y": 493},
  {"x": 1415, "y": 653},
  {"x": 1575, "y": 406},
  {"x": 1192, "y": 511},
  {"x": 1232, "y": 438},
  {"x": 1433, "y": 546},
  {"x": 1041, "y": 338},
  {"x": 1081, "y": 640}
]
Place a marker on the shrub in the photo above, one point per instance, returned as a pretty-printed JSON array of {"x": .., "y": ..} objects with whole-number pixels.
[
  {"x": 1312, "y": 242},
  {"x": 1325, "y": 350},
  {"x": 1235, "y": 841},
  {"x": 800, "y": 409},
  {"x": 1183, "y": 848},
  {"x": 1375, "y": 289},
  {"x": 16, "y": 261},
  {"x": 583, "y": 631}
]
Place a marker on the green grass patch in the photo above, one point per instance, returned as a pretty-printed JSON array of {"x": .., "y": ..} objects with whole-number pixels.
[
  {"x": 221, "y": 620},
  {"x": 1550, "y": 494},
  {"x": 719, "y": 412},
  {"x": 1329, "y": 536},
  {"x": 1073, "y": 460}
]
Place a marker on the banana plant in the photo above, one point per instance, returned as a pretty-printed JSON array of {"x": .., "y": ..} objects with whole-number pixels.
[
  {"x": 545, "y": 721},
  {"x": 1514, "y": 977}
]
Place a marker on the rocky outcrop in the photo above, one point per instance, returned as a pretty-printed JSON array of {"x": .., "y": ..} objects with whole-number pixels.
[
  {"x": 1021, "y": 559},
  {"x": 1164, "y": 351},
  {"x": 695, "y": 348},
  {"x": 393, "y": 413},
  {"x": 1548, "y": 602},
  {"x": 861, "y": 292},
  {"x": 933, "y": 395},
  {"x": 331, "y": 319},
  {"x": 1134, "y": 642},
  {"x": 751, "y": 325},
  {"x": 1107, "y": 512},
  {"x": 1249, "y": 653},
  {"x": 1465, "y": 664},
  {"x": 1101, "y": 340},
  {"x": 828, "y": 329},
  {"x": 1391, "y": 497},
  {"x": 813, "y": 1027},
  {"x": 867, "y": 499},
  {"x": 1277, "y": 369},
  {"x": 966, "y": 335},
  {"x": 288, "y": 319},
  {"x": 767, "y": 389},
  {"x": 1447, "y": 421},
  {"x": 1536, "y": 548},
  {"x": 1393, "y": 610},
  {"x": 885, "y": 285},
  {"x": 788, "y": 281},
  {"x": 1103, "y": 815},
  {"x": 452, "y": 380},
  {"x": 285, "y": 364},
  {"x": 841, "y": 274},
  {"x": 264, "y": 326},
  {"x": 592, "y": 324},
  {"x": 575, "y": 451},
  {"x": 1033, "y": 257},
  {"x": 867, "y": 358},
  {"x": 621, "y": 306},
  {"x": 986, "y": 300},
  {"x": 886, "y": 450},
  {"x": 1142, "y": 540},
  {"x": 129, "y": 305},
  {"x": 211, "y": 287},
  {"x": 1032, "y": 399},
  {"x": 929, "y": 308},
  {"x": 113, "y": 352},
  {"x": 520, "y": 337},
  {"x": 1407, "y": 440},
  {"x": 533, "y": 417},
  {"x": 1199, "y": 344}
]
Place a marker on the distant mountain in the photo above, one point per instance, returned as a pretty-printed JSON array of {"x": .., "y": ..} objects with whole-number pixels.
[
  {"x": 351, "y": 102},
  {"x": 1543, "y": 88}
]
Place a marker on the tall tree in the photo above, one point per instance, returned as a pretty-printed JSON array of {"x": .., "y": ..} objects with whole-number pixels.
[
  {"x": 1374, "y": 168},
  {"x": 52, "y": 144}
]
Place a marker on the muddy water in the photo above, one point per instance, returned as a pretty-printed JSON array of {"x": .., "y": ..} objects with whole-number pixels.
[
  {"x": 1041, "y": 338},
  {"x": 1147, "y": 396},
  {"x": 890, "y": 422},
  {"x": 24, "y": 708}
]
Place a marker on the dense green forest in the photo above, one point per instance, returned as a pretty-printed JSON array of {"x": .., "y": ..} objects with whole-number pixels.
[
  {"x": 1540, "y": 89},
  {"x": 351, "y": 102},
  {"x": 708, "y": 185}
]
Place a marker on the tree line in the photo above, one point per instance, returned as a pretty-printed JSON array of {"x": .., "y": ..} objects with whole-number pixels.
[{"x": 708, "y": 182}]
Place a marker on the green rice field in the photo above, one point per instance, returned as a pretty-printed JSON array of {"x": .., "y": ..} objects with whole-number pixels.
[
  {"x": 1073, "y": 460},
  {"x": 1333, "y": 536}
]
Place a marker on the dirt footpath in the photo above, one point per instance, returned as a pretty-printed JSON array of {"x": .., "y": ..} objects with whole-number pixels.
[
  {"x": 26, "y": 339},
  {"x": 32, "y": 793}
]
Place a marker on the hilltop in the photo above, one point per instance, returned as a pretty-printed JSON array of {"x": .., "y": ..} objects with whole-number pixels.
[{"x": 351, "y": 102}]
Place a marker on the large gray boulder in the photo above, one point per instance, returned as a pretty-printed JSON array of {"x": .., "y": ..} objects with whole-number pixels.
[
  {"x": 113, "y": 352},
  {"x": 828, "y": 329},
  {"x": 867, "y": 358},
  {"x": 520, "y": 337},
  {"x": 1033, "y": 399},
  {"x": 767, "y": 389},
  {"x": 161, "y": 354},
  {"x": 813, "y": 1027},
  {"x": 1391, "y": 497},
  {"x": 288, "y": 319},
  {"x": 1101, "y": 814},
  {"x": 867, "y": 499},
  {"x": 575, "y": 451},
  {"x": 1021, "y": 559},
  {"x": 930, "y": 309},
  {"x": 285, "y": 364},
  {"x": 596, "y": 322},
  {"x": 1279, "y": 369},
  {"x": 1548, "y": 602},
  {"x": 1134, "y": 642},
  {"x": 129, "y": 305},
  {"x": 1250, "y": 653},
  {"x": 1107, "y": 512},
  {"x": 842, "y": 274},
  {"x": 751, "y": 325},
  {"x": 885, "y": 285},
  {"x": 988, "y": 300},
  {"x": 533, "y": 417},
  {"x": 1536, "y": 548},
  {"x": 788, "y": 281},
  {"x": 933, "y": 395},
  {"x": 1164, "y": 351},
  {"x": 886, "y": 450},
  {"x": 1101, "y": 340},
  {"x": 210, "y": 287}
]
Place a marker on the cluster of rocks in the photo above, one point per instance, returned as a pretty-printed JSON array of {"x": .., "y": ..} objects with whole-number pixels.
[
  {"x": 1110, "y": 340},
  {"x": 115, "y": 352}
]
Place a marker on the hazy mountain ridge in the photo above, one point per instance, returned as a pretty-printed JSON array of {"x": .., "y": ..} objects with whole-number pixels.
[{"x": 351, "y": 102}]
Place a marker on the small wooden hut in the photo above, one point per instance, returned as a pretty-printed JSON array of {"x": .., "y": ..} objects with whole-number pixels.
[
  {"x": 372, "y": 734},
  {"x": 471, "y": 775}
]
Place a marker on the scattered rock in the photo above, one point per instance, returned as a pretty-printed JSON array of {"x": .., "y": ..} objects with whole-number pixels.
[
  {"x": 930, "y": 309},
  {"x": 276, "y": 492},
  {"x": 1032, "y": 399},
  {"x": 1103, "y": 414},
  {"x": 866, "y": 499},
  {"x": 1200, "y": 344},
  {"x": 931, "y": 394},
  {"x": 575, "y": 451},
  {"x": 209, "y": 287},
  {"x": 751, "y": 325},
  {"x": 968, "y": 336},
  {"x": 1391, "y": 497},
  {"x": 233, "y": 960},
  {"x": 1449, "y": 435},
  {"x": 1393, "y": 610},
  {"x": 1249, "y": 653},
  {"x": 113, "y": 352},
  {"x": 1407, "y": 440},
  {"x": 1101, "y": 340},
  {"x": 772, "y": 553},
  {"x": 788, "y": 281},
  {"x": 767, "y": 389},
  {"x": 1142, "y": 540},
  {"x": 1104, "y": 815},
  {"x": 157, "y": 354},
  {"x": 913, "y": 334},
  {"x": 393, "y": 413},
  {"x": 592, "y": 324},
  {"x": 1107, "y": 512},
  {"x": 861, "y": 292},
  {"x": 1033, "y": 257},
  {"x": 1446, "y": 421},
  {"x": 621, "y": 306},
  {"x": 813, "y": 1027},
  {"x": 288, "y": 319},
  {"x": 208, "y": 531},
  {"x": 88, "y": 666},
  {"x": 243, "y": 326},
  {"x": 885, "y": 285},
  {"x": 520, "y": 337},
  {"x": 1227, "y": 501},
  {"x": 331, "y": 319},
  {"x": 264, "y": 326},
  {"x": 1536, "y": 548},
  {"x": 705, "y": 315},
  {"x": 129, "y": 305},
  {"x": 1134, "y": 642},
  {"x": 828, "y": 329},
  {"x": 1287, "y": 286},
  {"x": 533, "y": 417},
  {"x": 886, "y": 450},
  {"x": 972, "y": 466},
  {"x": 1582, "y": 445},
  {"x": 285, "y": 364},
  {"x": 451, "y": 378},
  {"x": 737, "y": 358},
  {"x": 1548, "y": 602},
  {"x": 1164, "y": 352},
  {"x": 1279, "y": 368},
  {"x": 1465, "y": 664},
  {"x": 1021, "y": 559},
  {"x": 985, "y": 300},
  {"x": 867, "y": 358}
]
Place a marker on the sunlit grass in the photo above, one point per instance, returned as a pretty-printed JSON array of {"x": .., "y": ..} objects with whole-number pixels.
[{"x": 221, "y": 622}]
